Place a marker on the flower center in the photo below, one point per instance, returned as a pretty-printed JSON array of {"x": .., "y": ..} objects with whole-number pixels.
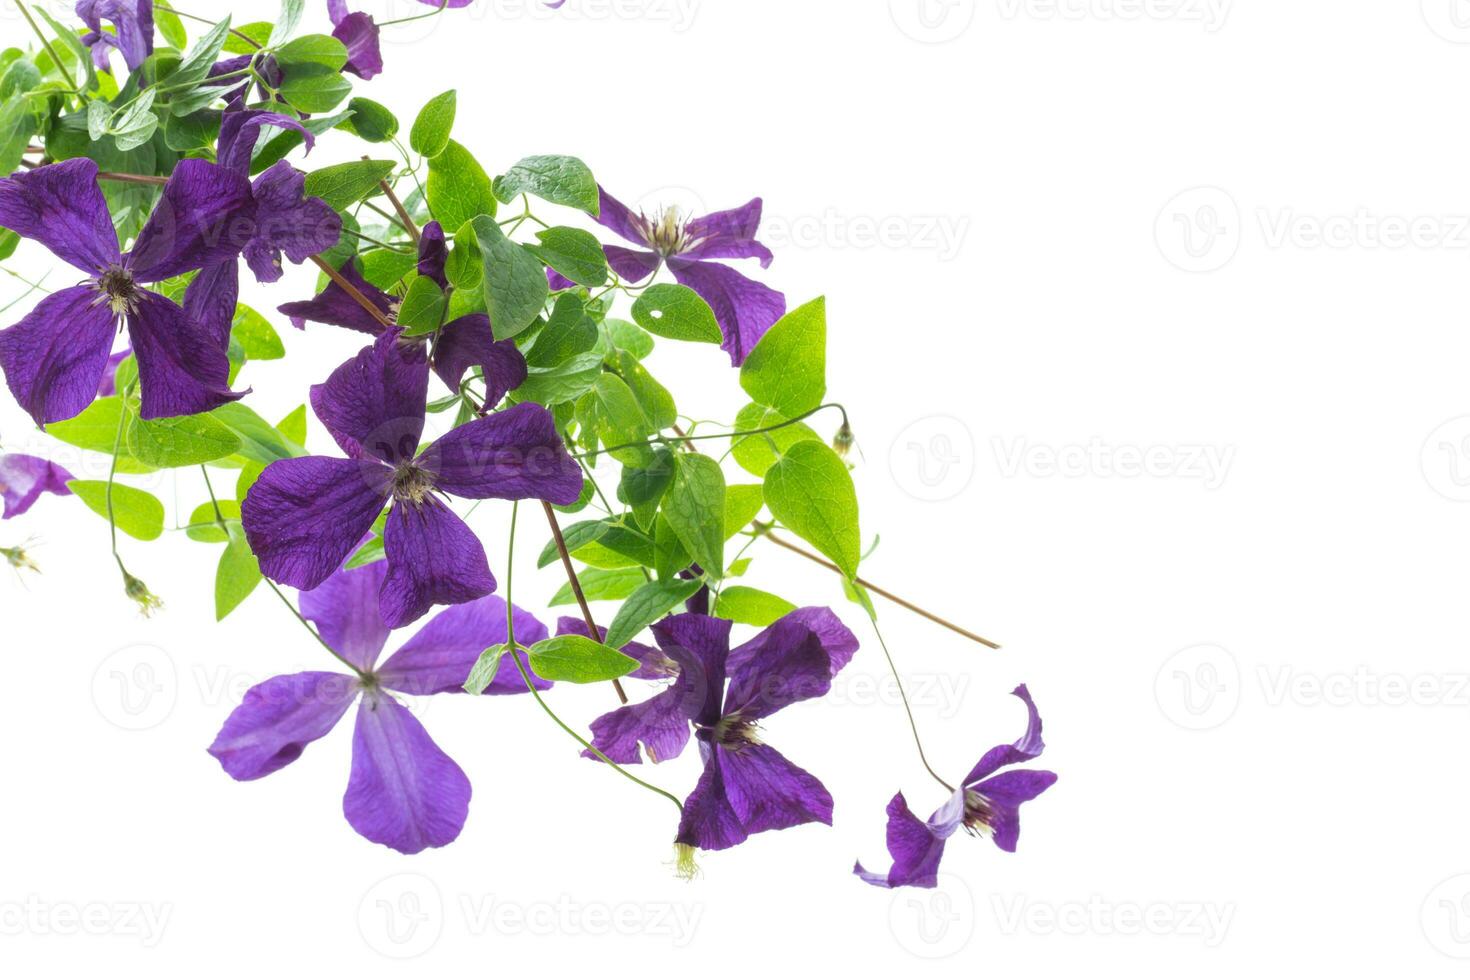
[
  {"x": 119, "y": 288},
  {"x": 979, "y": 814},
  {"x": 733, "y": 732},
  {"x": 412, "y": 484},
  {"x": 666, "y": 235}
]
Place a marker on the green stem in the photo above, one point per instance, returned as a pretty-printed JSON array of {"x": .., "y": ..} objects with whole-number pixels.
[
  {"x": 406, "y": 20},
  {"x": 913, "y": 725},
  {"x": 719, "y": 435},
  {"x": 214, "y": 23},
  {"x": 46, "y": 43}
]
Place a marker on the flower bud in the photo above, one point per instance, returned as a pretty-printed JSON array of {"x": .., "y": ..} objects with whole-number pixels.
[
  {"x": 147, "y": 602},
  {"x": 843, "y": 440}
]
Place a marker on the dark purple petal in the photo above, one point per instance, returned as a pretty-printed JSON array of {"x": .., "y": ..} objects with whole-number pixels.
[
  {"x": 1004, "y": 795},
  {"x": 615, "y": 216},
  {"x": 915, "y": 847},
  {"x": 439, "y": 657},
  {"x": 468, "y": 342},
  {"x": 133, "y": 20},
  {"x": 404, "y": 791},
  {"x": 837, "y": 640},
  {"x": 24, "y": 478},
  {"x": 335, "y": 306},
  {"x": 744, "y": 308},
  {"x": 286, "y": 220},
  {"x": 768, "y": 792},
  {"x": 344, "y": 610},
  {"x": 557, "y": 281},
  {"x": 182, "y": 369},
  {"x": 1024, "y": 749},
  {"x": 359, "y": 34},
  {"x": 54, "y": 358},
  {"x": 210, "y": 299},
  {"x": 205, "y": 216},
  {"x": 433, "y": 559},
  {"x": 660, "y": 725},
  {"x": 433, "y": 253},
  {"x": 653, "y": 664},
  {"x": 278, "y": 719},
  {"x": 699, "y": 645},
  {"x": 304, "y": 516},
  {"x": 791, "y": 665},
  {"x": 239, "y": 132},
  {"x": 728, "y": 235},
  {"x": 516, "y": 454},
  {"x": 632, "y": 265},
  {"x": 61, "y": 206},
  {"x": 373, "y": 405},
  {"x": 709, "y": 822}
]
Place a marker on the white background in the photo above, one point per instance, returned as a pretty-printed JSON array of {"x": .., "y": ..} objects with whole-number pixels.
[{"x": 1253, "y": 677}]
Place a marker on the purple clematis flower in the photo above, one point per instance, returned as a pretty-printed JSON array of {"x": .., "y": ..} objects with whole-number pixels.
[
  {"x": 24, "y": 478},
  {"x": 744, "y": 308},
  {"x": 358, "y": 32},
  {"x": 986, "y": 803},
  {"x": 747, "y": 786},
  {"x": 459, "y": 345},
  {"x": 404, "y": 791},
  {"x": 133, "y": 20},
  {"x": 304, "y": 516},
  {"x": 54, "y": 359},
  {"x": 286, "y": 221}
]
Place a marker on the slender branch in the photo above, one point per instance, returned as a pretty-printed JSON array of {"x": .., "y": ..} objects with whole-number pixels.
[
  {"x": 566, "y": 561},
  {"x": 214, "y": 23},
  {"x": 131, "y": 178},
  {"x": 403, "y": 215},
  {"x": 352, "y": 291},
  {"x": 903, "y": 695},
  {"x": 740, "y": 434},
  {"x": 46, "y": 43}
]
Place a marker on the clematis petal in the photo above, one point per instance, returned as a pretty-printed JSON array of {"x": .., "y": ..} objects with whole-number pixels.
[
  {"x": 303, "y": 517},
  {"x": 699, "y": 645},
  {"x": 653, "y": 665},
  {"x": 373, "y": 404},
  {"x": 468, "y": 342},
  {"x": 438, "y": 658},
  {"x": 182, "y": 369},
  {"x": 768, "y": 792},
  {"x": 709, "y": 822},
  {"x": 744, "y": 308},
  {"x": 210, "y": 300},
  {"x": 791, "y": 665},
  {"x": 359, "y": 34},
  {"x": 133, "y": 20},
  {"x": 837, "y": 639},
  {"x": 61, "y": 206},
  {"x": 728, "y": 235},
  {"x": 240, "y": 131},
  {"x": 335, "y": 306},
  {"x": 1004, "y": 794},
  {"x": 660, "y": 725},
  {"x": 1027, "y": 747},
  {"x": 433, "y": 559},
  {"x": 404, "y": 791},
  {"x": 206, "y": 215},
  {"x": 277, "y": 720},
  {"x": 54, "y": 358},
  {"x": 516, "y": 454},
  {"x": 631, "y": 264},
  {"x": 433, "y": 253},
  {"x": 24, "y": 478},
  {"x": 344, "y": 610},
  {"x": 914, "y": 847},
  {"x": 616, "y": 216},
  {"x": 288, "y": 221}
]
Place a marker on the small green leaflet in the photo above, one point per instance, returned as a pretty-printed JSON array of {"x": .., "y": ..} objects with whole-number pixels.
[
  {"x": 646, "y": 606},
  {"x": 96, "y": 429},
  {"x": 204, "y": 523},
  {"x": 758, "y": 453},
  {"x": 743, "y": 502},
  {"x": 742, "y": 604},
  {"x": 558, "y": 179},
  {"x": 810, "y": 491},
  {"x": 458, "y": 187},
  {"x": 74, "y": 46},
  {"x": 569, "y": 331},
  {"x": 372, "y": 121},
  {"x": 430, "y": 132},
  {"x": 313, "y": 49},
  {"x": 787, "y": 370},
  {"x": 259, "y": 440},
  {"x": 286, "y": 24},
  {"x": 137, "y": 512},
  {"x": 487, "y": 665},
  {"x": 515, "y": 282},
  {"x": 344, "y": 184},
  {"x": 314, "y": 87},
  {"x": 183, "y": 441},
  {"x": 237, "y": 576},
  {"x": 573, "y": 252},
  {"x": 694, "y": 506},
  {"x": 676, "y": 312},
  {"x": 599, "y": 583},
  {"x": 256, "y": 337},
  {"x": 422, "y": 310},
  {"x": 194, "y": 68},
  {"x": 579, "y": 660}
]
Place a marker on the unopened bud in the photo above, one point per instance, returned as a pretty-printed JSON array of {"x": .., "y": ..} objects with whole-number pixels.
[{"x": 843, "y": 440}]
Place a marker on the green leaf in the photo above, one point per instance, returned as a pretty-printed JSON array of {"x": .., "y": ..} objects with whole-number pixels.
[
  {"x": 422, "y": 310},
  {"x": 558, "y": 179},
  {"x": 368, "y": 553},
  {"x": 312, "y": 87},
  {"x": 372, "y": 121},
  {"x": 21, "y": 75},
  {"x": 579, "y": 660},
  {"x": 458, "y": 187},
  {"x": 313, "y": 49},
  {"x": 676, "y": 312},
  {"x": 569, "y": 331},
  {"x": 743, "y": 502},
  {"x": 758, "y": 453},
  {"x": 204, "y": 525},
  {"x": 694, "y": 506},
  {"x": 72, "y": 42},
  {"x": 742, "y": 604},
  {"x": 196, "y": 64},
  {"x": 653, "y": 398},
  {"x": 187, "y": 440},
  {"x": 650, "y": 603},
  {"x": 170, "y": 26},
  {"x": 237, "y": 576},
  {"x": 810, "y": 491},
  {"x": 515, "y": 281},
  {"x": 573, "y": 252},
  {"x": 138, "y": 513},
  {"x": 258, "y": 31},
  {"x": 575, "y": 536},
  {"x": 787, "y": 370},
  {"x": 259, "y": 440},
  {"x": 96, "y": 429},
  {"x": 293, "y": 426},
  {"x": 430, "y": 132},
  {"x": 630, "y": 337},
  {"x": 566, "y": 382},
  {"x": 257, "y": 338},
  {"x": 286, "y": 23},
  {"x": 601, "y": 583},
  {"x": 487, "y": 665},
  {"x": 642, "y": 487},
  {"x": 344, "y": 184},
  {"x": 191, "y": 132}
]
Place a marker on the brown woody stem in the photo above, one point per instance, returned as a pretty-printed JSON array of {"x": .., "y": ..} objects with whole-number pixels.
[{"x": 566, "y": 561}]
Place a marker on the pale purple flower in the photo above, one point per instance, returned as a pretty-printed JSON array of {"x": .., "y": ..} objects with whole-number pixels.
[
  {"x": 24, "y": 478},
  {"x": 133, "y": 21}
]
